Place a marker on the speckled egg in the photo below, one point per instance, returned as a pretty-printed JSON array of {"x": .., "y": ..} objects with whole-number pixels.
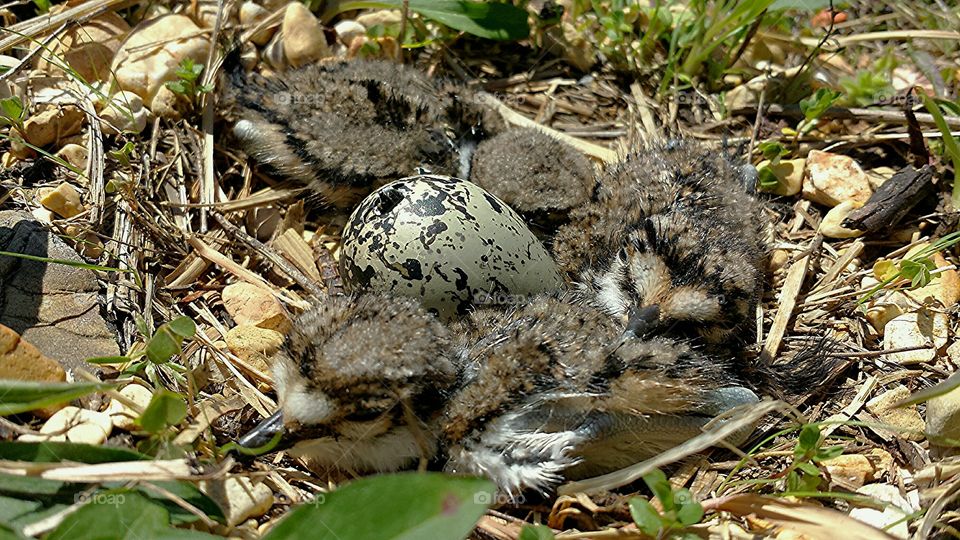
[{"x": 445, "y": 241}]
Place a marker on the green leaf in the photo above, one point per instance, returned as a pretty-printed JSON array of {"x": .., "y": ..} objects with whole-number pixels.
[
  {"x": 536, "y": 532},
  {"x": 645, "y": 516},
  {"x": 11, "y": 109},
  {"x": 828, "y": 453},
  {"x": 166, "y": 408},
  {"x": 168, "y": 339},
  {"x": 183, "y": 327},
  {"x": 808, "y": 468},
  {"x": 660, "y": 486},
  {"x": 177, "y": 87},
  {"x": 406, "y": 506},
  {"x": 22, "y": 396},
  {"x": 772, "y": 150},
  {"x": 818, "y": 103},
  {"x": 766, "y": 179},
  {"x": 809, "y": 439},
  {"x": 55, "y": 452},
  {"x": 491, "y": 20},
  {"x": 122, "y": 514},
  {"x": 690, "y": 513}
]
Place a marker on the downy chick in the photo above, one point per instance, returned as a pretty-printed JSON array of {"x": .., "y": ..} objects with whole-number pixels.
[
  {"x": 671, "y": 242},
  {"x": 358, "y": 380},
  {"x": 346, "y": 127},
  {"x": 552, "y": 391},
  {"x": 537, "y": 175}
]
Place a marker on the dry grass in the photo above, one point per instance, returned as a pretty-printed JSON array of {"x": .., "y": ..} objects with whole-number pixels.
[{"x": 190, "y": 215}]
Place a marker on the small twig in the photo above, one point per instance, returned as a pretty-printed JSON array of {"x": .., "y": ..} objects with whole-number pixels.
[{"x": 271, "y": 255}]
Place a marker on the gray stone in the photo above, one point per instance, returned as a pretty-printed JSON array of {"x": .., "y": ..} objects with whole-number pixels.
[{"x": 54, "y": 306}]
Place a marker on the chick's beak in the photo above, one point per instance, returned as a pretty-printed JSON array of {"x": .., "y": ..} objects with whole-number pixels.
[
  {"x": 642, "y": 320},
  {"x": 264, "y": 432}
]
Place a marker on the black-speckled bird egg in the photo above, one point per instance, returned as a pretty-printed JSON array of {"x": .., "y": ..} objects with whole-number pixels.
[{"x": 445, "y": 241}]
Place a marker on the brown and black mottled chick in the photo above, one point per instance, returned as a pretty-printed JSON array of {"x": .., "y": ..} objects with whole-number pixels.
[
  {"x": 346, "y": 127},
  {"x": 553, "y": 390},
  {"x": 537, "y": 175},
  {"x": 671, "y": 242},
  {"x": 359, "y": 380}
]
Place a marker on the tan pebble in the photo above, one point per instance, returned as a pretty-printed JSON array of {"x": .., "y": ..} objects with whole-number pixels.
[
  {"x": 8, "y": 159},
  {"x": 249, "y": 304},
  {"x": 907, "y": 418},
  {"x": 63, "y": 201},
  {"x": 830, "y": 179},
  {"x": 273, "y": 53},
  {"x": 87, "y": 48},
  {"x": 87, "y": 243},
  {"x": 79, "y": 425},
  {"x": 778, "y": 259},
  {"x": 52, "y": 124},
  {"x": 74, "y": 154},
  {"x": 831, "y": 226},
  {"x": 263, "y": 222},
  {"x": 152, "y": 53},
  {"x": 250, "y": 15},
  {"x": 878, "y": 315},
  {"x": 42, "y": 215},
  {"x": 953, "y": 352},
  {"x": 254, "y": 344},
  {"x": 879, "y": 175},
  {"x": 239, "y": 497},
  {"x": 943, "y": 415},
  {"x": 789, "y": 173},
  {"x": 380, "y": 17},
  {"x": 909, "y": 330},
  {"x": 169, "y": 104},
  {"x": 347, "y": 30},
  {"x": 850, "y": 470},
  {"x": 21, "y": 361},
  {"x": 303, "y": 39},
  {"x": 249, "y": 58},
  {"x": 124, "y": 113},
  {"x": 122, "y": 415},
  {"x": 882, "y": 462}
]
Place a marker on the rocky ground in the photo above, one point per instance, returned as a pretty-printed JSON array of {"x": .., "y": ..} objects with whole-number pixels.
[{"x": 138, "y": 248}]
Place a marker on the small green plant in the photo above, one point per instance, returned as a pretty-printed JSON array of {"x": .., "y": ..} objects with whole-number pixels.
[
  {"x": 869, "y": 85},
  {"x": 813, "y": 108},
  {"x": 123, "y": 154},
  {"x": 918, "y": 268},
  {"x": 803, "y": 475},
  {"x": 154, "y": 358},
  {"x": 679, "y": 509},
  {"x": 188, "y": 75},
  {"x": 165, "y": 410},
  {"x": 12, "y": 113},
  {"x": 772, "y": 151}
]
